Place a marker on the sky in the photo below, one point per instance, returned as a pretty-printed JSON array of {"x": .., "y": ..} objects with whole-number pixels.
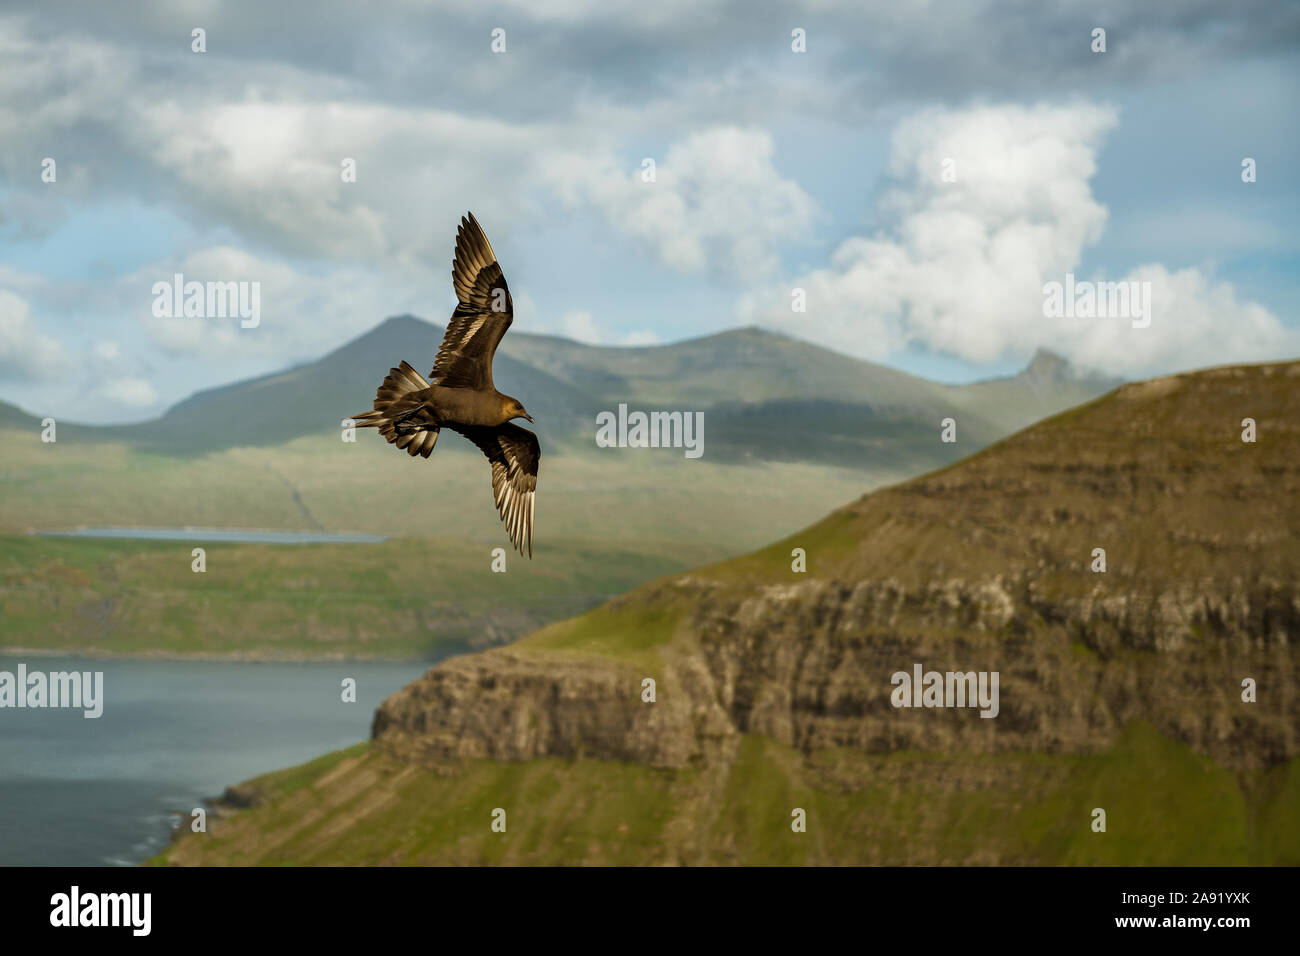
[{"x": 914, "y": 174}]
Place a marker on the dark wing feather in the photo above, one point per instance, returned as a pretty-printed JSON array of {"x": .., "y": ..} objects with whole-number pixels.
[
  {"x": 483, "y": 313},
  {"x": 515, "y": 456}
]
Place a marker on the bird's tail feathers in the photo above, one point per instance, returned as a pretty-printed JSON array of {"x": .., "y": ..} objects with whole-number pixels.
[{"x": 403, "y": 420}]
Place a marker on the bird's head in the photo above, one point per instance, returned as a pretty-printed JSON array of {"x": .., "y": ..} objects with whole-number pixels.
[{"x": 513, "y": 408}]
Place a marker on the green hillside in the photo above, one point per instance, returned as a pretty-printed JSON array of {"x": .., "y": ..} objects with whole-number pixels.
[
  {"x": 361, "y": 807},
  {"x": 1121, "y": 689}
]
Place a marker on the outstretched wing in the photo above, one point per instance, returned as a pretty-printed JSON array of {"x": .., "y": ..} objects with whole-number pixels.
[
  {"x": 514, "y": 454},
  {"x": 483, "y": 313}
]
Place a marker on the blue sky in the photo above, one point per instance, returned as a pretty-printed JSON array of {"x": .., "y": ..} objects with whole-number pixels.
[{"x": 775, "y": 170}]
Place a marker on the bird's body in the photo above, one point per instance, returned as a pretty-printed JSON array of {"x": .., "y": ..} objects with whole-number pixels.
[
  {"x": 463, "y": 405},
  {"x": 410, "y": 411}
]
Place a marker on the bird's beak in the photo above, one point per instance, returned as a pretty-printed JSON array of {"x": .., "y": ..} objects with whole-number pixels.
[{"x": 529, "y": 417}]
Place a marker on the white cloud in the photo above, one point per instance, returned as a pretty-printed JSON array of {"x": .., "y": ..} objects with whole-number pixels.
[
  {"x": 1195, "y": 321},
  {"x": 259, "y": 154},
  {"x": 128, "y": 392},
  {"x": 641, "y": 337},
  {"x": 716, "y": 202},
  {"x": 26, "y": 355},
  {"x": 303, "y": 313},
  {"x": 959, "y": 266},
  {"x": 582, "y": 326},
  {"x": 273, "y": 168},
  {"x": 625, "y": 12}
]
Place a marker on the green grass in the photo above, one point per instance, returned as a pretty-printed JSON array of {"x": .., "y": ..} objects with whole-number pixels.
[
  {"x": 556, "y": 812},
  {"x": 1162, "y": 801},
  {"x": 1275, "y": 816},
  {"x": 824, "y": 545},
  {"x": 632, "y": 634},
  {"x": 402, "y": 598},
  {"x": 1165, "y": 806}
]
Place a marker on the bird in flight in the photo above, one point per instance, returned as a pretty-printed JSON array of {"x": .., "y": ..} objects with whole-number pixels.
[{"x": 409, "y": 411}]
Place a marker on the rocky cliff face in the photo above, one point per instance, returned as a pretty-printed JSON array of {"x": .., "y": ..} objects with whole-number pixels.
[
  {"x": 810, "y": 665},
  {"x": 990, "y": 565},
  {"x": 503, "y": 705}
]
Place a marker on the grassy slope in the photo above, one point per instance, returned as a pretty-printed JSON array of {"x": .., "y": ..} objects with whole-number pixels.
[
  {"x": 627, "y": 517},
  {"x": 1155, "y": 472},
  {"x": 399, "y": 599},
  {"x": 643, "y": 495},
  {"x": 1165, "y": 806}
]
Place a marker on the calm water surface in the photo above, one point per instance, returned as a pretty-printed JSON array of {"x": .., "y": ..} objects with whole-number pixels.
[{"x": 77, "y": 792}]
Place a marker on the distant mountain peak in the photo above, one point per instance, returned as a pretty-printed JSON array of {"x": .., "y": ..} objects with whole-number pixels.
[
  {"x": 405, "y": 318},
  {"x": 1046, "y": 364}
]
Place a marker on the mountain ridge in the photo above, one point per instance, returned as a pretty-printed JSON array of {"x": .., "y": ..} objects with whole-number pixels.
[{"x": 752, "y": 383}]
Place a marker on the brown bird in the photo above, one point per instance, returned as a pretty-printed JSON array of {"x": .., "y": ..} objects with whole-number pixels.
[{"x": 409, "y": 411}]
